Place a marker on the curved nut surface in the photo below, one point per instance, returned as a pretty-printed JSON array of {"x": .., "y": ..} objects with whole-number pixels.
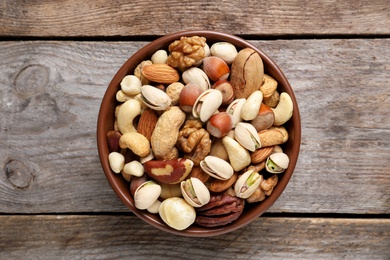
[
  {"x": 136, "y": 142},
  {"x": 164, "y": 136},
  {"x": 127, "y": 112}
]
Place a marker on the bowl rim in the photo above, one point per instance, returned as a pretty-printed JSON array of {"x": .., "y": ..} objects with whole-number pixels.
[{"x": 106, "y": 103}]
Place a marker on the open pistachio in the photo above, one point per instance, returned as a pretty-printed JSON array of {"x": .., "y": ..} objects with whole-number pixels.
[
  {"x": 207, "y": 104},
  {"x": 195, "y": 192},
  {"x": 247, "y": 184},
  {"x": 146, "y": 194},
  {"x": 239, "y": 157},
  {"x": 217, "y": 167},
  {"x": 277, "y": 163},
  {"x": 196, "y": 76},
  {"x": 234, "y": 109},
  {"x": 247, "y": 136},
  {"x": 155, "y": 98}
]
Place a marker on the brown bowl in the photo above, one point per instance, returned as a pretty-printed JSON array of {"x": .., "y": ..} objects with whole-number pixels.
[{"x": 106, "y": 122}]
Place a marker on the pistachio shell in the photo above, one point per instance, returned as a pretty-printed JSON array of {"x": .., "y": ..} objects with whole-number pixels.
[
  {"x": 195, "y": 192},
  {"x": 234, "y": 109},
  {"x": 155, "y": 98},
  {"x": 247, "y": 136},
  {"x": 217, "y": 167},
  {"x": 251, "y": 107},
  {"x": 247, "y": 184},
  {"x": 207, "y": 104},
  {"x": 239, "y": 157},
  {"x": 155, "y": 207},
  {"x": 196, "y": 76},
  {"x": 146, "y": 194},
  {"x": 177, "y": 213},
  {"x": 277, "y": 163}
]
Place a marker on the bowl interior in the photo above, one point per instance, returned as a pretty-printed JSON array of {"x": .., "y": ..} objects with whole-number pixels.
[{"x": 106, "y": 124}]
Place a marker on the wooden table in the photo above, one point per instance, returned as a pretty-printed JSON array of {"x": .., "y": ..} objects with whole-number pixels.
[{"x": 56, "y": 60}]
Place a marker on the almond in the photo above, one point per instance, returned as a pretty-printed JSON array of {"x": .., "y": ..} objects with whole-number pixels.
[
  {"x": 261, "y": 154},
  {"x": 216, "y": 185},
  {"x": 161, "y": 73},
  {"x": 147, "y": 122}
]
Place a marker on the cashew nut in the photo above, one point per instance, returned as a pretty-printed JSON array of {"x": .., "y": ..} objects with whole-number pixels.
[
  {"x": 127, "y": 112},
  {"x": 284, "y": 110},
  {"x": 116, "y": 161},
  {"x": 136, "y": 142}
]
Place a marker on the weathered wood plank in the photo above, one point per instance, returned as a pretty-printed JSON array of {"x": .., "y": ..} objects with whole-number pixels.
[
  {"x": 136, "y": 18},
  {"x": 113, "y": 237},
  {"x": 50, "y": 96}
]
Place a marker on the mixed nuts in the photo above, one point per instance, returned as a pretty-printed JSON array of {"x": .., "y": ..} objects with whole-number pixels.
[{"x": 197, "y": 132}]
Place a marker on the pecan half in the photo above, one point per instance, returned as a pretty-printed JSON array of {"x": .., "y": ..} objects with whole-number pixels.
[{"x": 221, "y": 210}]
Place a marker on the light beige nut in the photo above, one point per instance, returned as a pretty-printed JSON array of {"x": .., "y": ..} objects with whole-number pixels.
[
  {"x": 126, "y": 115},
  {"x": 247, "y": 184},
  {"x": 164, "y": 136},
  {"x": 147, "y": 122},
  {"x": 247, "y": 72},
  {"x": 239, "y": 157},
  {"x": 218, "y": 149},
  {"x": 116, "y": 161},
  {"x": 136, "y": 142},
  {"x": 177, "y": 213},
  {"x": 161, "y": 73},
  {"x": 251, "y": 107},
  {"x": 159, "y": 57},
  {"x": 138, "y": 71},
  {"x": 173, "y": 91},
  {"x": 284, "y": 110},
  {"x": 134, "y": 168},
  {"x": 273, "y": 136},
  {"x": 131, "y": 85},
  {"x": 146, "y": 195},
  {"x": 195, "y": 192},
  {"x": 269, "y": 86},
  {"x": 224, "y": 50}
]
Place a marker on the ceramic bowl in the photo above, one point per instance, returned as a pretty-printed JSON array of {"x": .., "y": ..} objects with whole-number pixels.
[{"x": 106, "y": 123}]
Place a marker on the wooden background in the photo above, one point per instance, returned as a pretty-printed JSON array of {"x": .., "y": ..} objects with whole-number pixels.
[{"x": 58, "y": 57}]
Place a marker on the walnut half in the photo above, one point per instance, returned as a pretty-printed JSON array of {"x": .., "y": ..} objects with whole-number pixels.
[{"x": 186, "y": 52}]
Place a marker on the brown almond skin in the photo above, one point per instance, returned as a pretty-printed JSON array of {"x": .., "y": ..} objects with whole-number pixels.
[
  {"x": 216, "y": 185},
  {"x": 247, "y": 73},
  {"x": 147, "y": 122},
  {"x": 264, "y": 119},
  {"x": 261, "y": 154},
  {"x": 160, "y": 73}
]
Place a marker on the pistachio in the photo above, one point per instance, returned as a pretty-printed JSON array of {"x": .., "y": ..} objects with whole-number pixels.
[
  {"x": 155, "y": 98},
  {"x": 195, "y": 192},
  {"x": 247, "y": 184},
  {"x": 217, "y": 167},
  {"x": 251, "y": 107},
  {"x": 146, "y": 194},
  {"x": 177, "y": 213},
  {"x": 207, "y": 104},
  {"x": 155, "y": 207},
  {"x": 239, "y": 157},
  {"x": 234, "y": 109},
  {"x": 247, "y": 136},
  {"x": 196, "y": 76},
  {"x": 277, "y": 163}
]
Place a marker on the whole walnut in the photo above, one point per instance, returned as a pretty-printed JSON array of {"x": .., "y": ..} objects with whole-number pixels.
[{"x": 186, "y": 52}]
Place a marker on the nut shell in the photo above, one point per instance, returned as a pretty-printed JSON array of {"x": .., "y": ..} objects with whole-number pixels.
[
  {"x": 217, "y": 168},
  {"x": 195, "y": 192},
  {"x": 207, "y": 104}
]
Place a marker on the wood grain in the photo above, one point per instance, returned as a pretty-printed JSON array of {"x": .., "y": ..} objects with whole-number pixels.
[
  {"x": 117, "y": 237},
  {"x": 51, "y": 92},
  {"x": 143, "y": 18}
]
